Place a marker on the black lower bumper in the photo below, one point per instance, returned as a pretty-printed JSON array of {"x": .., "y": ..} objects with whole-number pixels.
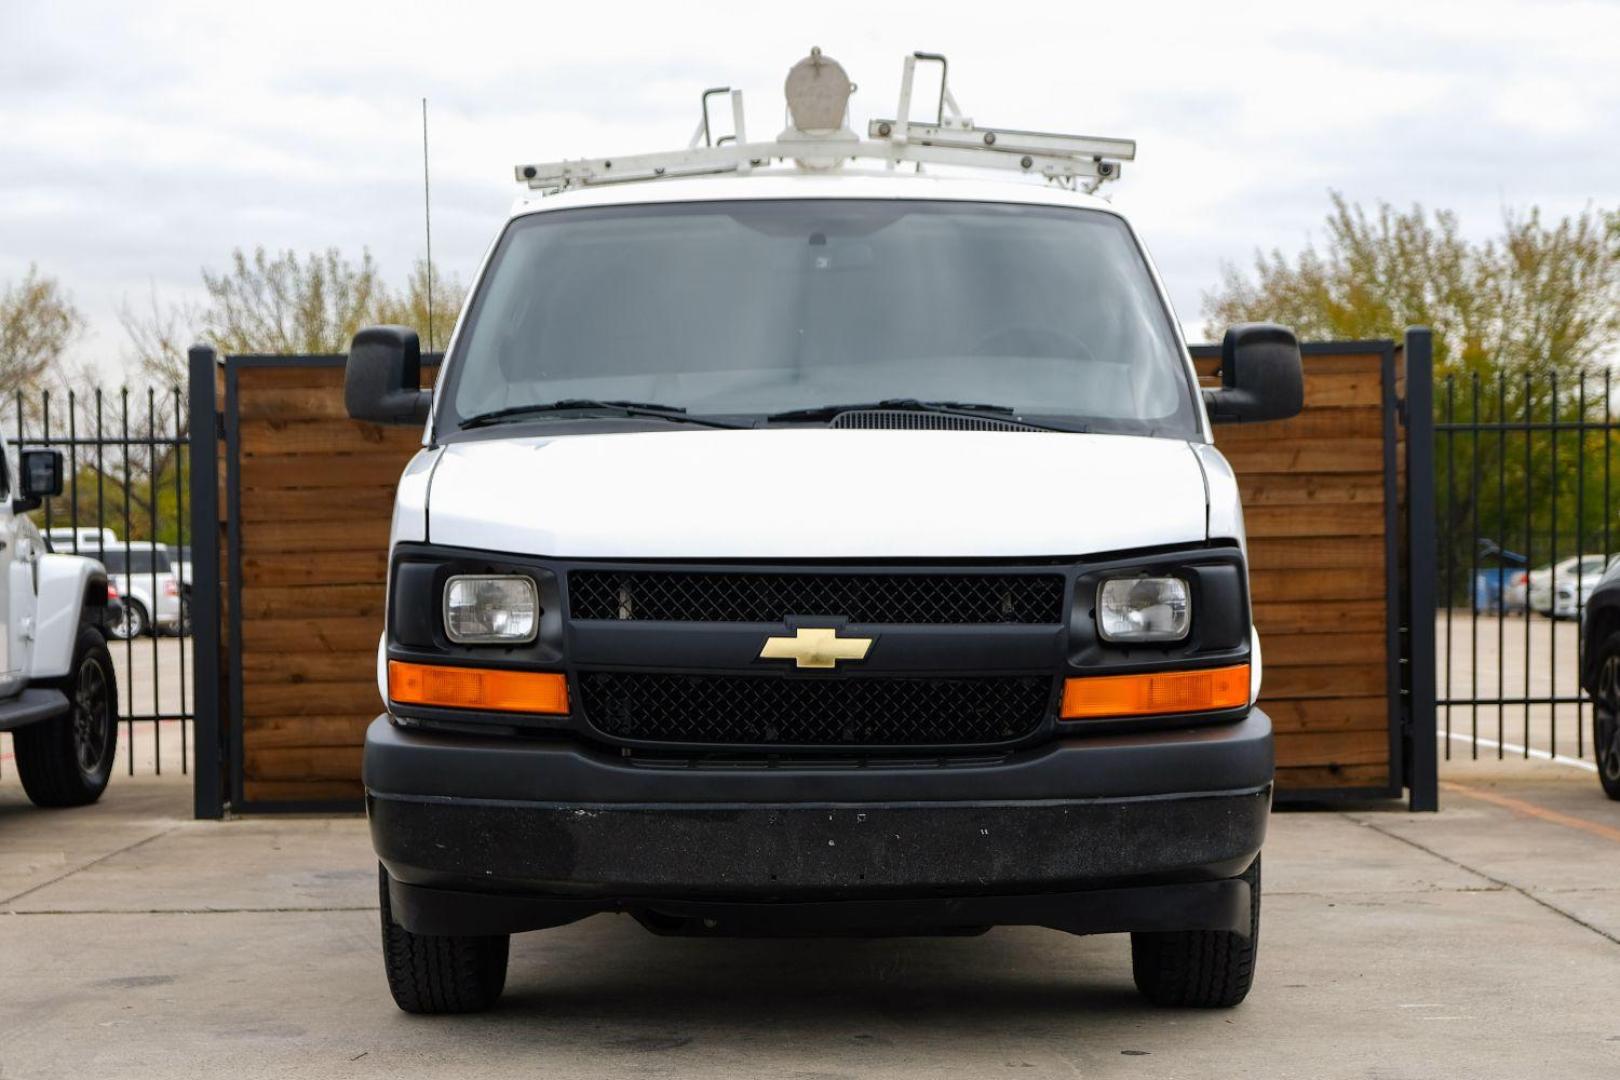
[
  {"x": 1087, "y": 866},
  {"x": 1090, "y": 835},
  {"x": 1198, "y": 905}
]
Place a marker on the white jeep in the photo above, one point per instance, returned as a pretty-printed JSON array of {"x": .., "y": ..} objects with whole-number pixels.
[
  {"x": 58, "y": 690},
  {"x": 803, "y": 542}
]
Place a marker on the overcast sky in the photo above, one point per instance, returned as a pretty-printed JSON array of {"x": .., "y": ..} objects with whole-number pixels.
[{"x": 141, "y": 142}]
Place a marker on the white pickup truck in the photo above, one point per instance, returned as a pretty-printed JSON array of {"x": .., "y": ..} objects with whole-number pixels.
[
  {"x": 809, "y": 539},
  {"x": 58, "y": 690}
]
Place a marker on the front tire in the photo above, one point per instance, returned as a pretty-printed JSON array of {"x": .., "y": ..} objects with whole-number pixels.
[
  {"x": 440, "y": 973},
  {"x": 1199, "y": 969},
  {"x": 1606, "y": 716},
  {"x": 68, "y": 761}
]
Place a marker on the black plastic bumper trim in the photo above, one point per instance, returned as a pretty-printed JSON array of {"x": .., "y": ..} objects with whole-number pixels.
[
  {"x": 816, "y": 851},
  {"x": 1199, "y": 905},
  {"x": 1211, "y": 758}
]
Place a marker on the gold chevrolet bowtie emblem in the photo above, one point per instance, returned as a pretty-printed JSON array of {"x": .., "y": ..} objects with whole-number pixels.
[{"x": 815, "y": 647}]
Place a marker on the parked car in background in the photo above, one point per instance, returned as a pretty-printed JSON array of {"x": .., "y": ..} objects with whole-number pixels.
[
  {"x": 1571, "y": 594},
  {"x": 144, "y": 575},
  {"x": 1600, "y": 675},
  {"x": 68, "y": 539},
  {"x": 1560, "y": 590}
]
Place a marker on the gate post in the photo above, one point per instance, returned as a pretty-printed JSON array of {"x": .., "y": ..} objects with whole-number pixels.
[
  {"x": 207, "y": 791},
  {"x": 1421, "y": 567}
]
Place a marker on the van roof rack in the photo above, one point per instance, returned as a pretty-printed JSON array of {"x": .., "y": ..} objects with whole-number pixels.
[{"x": 818, "y": 138}]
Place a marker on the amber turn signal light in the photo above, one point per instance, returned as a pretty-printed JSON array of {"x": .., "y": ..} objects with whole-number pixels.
[
  {"x": 477, "y": 688},
  {"x": 1100, "y": 697}
]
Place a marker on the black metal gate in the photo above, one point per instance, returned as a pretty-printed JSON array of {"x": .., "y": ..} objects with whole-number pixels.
[
  {"x": 1527, "y": 482},
  {"x": 126, "y": 502}
]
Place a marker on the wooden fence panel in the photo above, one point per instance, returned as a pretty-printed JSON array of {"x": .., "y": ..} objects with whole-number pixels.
[
  {"x": 1316, "y": 500},
  {"x": 315, "y": 497}
]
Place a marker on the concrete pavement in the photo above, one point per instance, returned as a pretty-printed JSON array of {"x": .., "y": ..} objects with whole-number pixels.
[{"x": 1480, "y": 942}]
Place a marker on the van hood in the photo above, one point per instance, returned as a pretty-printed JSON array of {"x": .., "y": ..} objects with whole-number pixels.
[{"x": 816, "y": 493}]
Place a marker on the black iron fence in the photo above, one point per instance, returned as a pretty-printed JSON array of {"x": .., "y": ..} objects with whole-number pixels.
[
  {"x": 125, "y": 503},
  {"x": 1527, "y": 479},
  {"x": 1528, "y": 474}
]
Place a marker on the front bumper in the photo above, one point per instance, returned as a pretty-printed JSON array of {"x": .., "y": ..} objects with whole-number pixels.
[{"x": 1141, "y": 831}]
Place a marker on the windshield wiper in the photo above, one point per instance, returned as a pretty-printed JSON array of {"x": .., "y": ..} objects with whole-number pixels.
[
  {"x": 977, "y": 410},
  {"x": 827, "y": 412},
  {"x": 594, "y": 406}
]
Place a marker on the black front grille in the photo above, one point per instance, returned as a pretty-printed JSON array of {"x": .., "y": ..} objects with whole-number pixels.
[
  {"x": 708, "y": 596},
  {"x": 775, "y": 710}
]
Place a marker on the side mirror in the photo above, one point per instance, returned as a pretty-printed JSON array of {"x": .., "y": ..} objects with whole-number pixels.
[
  {"x": 41, "y": 479},
  {"x": 382, "y": 381},
  {"x": 1261, "y": 376}
]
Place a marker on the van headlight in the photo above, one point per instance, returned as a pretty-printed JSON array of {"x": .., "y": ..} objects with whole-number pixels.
[
  {"x": 1143, "y": 609},
  {"x": 489, "y": 609}
]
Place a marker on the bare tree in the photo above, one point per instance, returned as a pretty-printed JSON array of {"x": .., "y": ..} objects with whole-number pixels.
[
  {"x": 37, "y": 324},
  {"x": 261, "y": 303},
  {"x": 283, "y": 305},
  {"x": 434, "y": 322},
  {"x": 158, "y": 339}
]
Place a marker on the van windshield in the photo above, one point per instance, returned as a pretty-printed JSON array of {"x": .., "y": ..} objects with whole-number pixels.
[{"x": 747, "y": 309}]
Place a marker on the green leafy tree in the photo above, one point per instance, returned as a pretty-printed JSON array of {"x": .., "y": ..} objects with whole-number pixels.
[
  {"x": 1525, "y": 323},
  {"x": 1538, "y": 298}
]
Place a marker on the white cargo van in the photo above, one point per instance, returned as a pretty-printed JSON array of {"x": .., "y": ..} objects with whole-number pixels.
[{"x": 823, "y": 535}]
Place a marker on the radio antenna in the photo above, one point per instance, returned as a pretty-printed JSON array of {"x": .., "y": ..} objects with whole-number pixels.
[{"x": 427, "y": 216}]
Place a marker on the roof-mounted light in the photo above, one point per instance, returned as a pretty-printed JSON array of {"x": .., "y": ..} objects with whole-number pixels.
[{"x": 817, "y": 92}]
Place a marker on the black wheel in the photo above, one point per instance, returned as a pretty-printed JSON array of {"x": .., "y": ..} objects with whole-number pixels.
[
  {"x": 1200, "y": 969},
  {"x": 434, "y": 973},
  {"x": 1606, "y": 716},
  {"x": 67, "y": 761},
  {"x": 133, "y": 623}
]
